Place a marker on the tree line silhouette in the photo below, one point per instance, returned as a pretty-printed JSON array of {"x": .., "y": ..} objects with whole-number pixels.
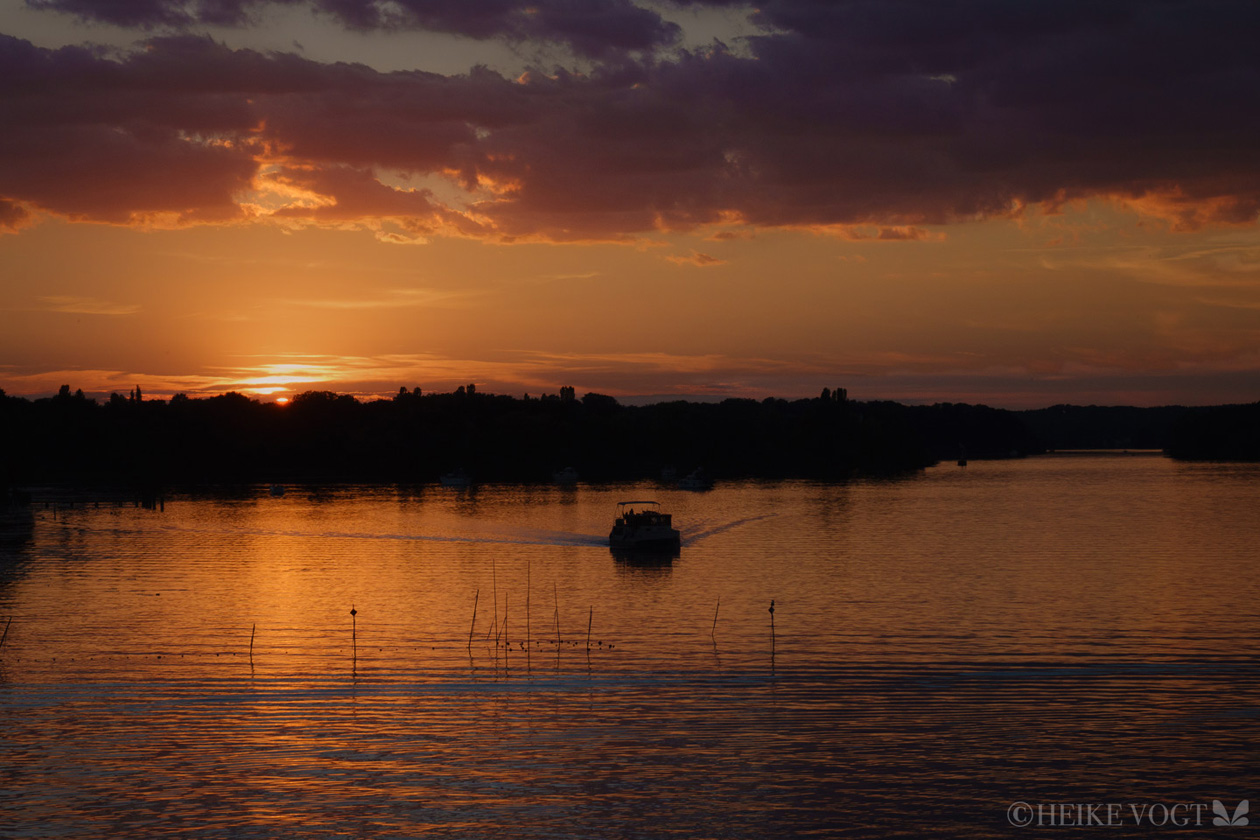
[
  {"x": 322, "y": 436},
  {"x": 1220, "y": 433}
]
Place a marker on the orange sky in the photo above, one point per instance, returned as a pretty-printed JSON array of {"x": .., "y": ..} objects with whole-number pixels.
[{"x": 641, "y": 218}]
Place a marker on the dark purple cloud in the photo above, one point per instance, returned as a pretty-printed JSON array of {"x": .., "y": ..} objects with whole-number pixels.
[
  {"x": 891, "y": 114},
  {"x": 95, "y": 139},
  {"x": 136, "y": 13},
  {"x": 12, "y": 216},
  {"x": 591, "y": 28}
]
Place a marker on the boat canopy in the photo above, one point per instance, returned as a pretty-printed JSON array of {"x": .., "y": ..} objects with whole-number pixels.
[{"x": 644, "y": 502}]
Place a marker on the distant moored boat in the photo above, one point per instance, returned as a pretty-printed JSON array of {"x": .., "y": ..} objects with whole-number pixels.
[
  {"x": 698, "y": 479},
  {"x": 455, "y": 478}
]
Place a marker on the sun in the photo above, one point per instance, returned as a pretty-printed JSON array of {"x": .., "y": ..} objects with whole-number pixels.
[{"x": 282, "y": 400}]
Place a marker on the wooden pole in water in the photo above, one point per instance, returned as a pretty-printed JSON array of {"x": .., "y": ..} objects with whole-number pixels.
[
  {"x": 772, "y": 626},
  {"x": 713, "y": 632},
  {"x": 251, "y": 643},
  {"x": 556, "y": 595},
  {"x": 589, "y": 619},
  {"x": 527, "y": 642},
  {"x": 6, "y": 631},
  {"x": 354, "y": 635},
  {"x": 494, "y": 628},
  {"x": 474, "y": 620}
]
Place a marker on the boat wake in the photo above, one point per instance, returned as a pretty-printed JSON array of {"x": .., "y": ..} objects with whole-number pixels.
[
  {"x": 508, "y": 537},
  {"x": 558, "y": 538},
  {"x": 692, "y": 536}
]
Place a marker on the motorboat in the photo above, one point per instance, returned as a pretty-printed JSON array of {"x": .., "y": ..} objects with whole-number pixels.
[{"x": 642, "y": 526}]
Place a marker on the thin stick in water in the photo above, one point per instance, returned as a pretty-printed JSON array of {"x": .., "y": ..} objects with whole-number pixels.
[
  {"x": 494, "y": 628},
  {"x": 6, "y": 631},
  {"x": 713, "y": 632},
  {"x": 354, "y": 634},
  {"x": 474, "y": 619},
  {"x": 527, "y": 642},
  {"x": 251, "y": 642},
  {"x": 556, "y": 595},
  {"x": 589, "y": 619},
  {"x": 771, "y": 625}
]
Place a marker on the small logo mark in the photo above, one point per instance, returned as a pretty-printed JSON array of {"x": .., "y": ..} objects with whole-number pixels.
[{"x": 1222, "y": 813}]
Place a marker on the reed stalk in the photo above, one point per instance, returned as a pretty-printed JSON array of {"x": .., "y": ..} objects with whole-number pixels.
[
  {"x": 555, "y": 594},
  {"x": 494, "y": 628},
  {"x": 474, "y": 619},
  {"x": 527, "y": 639}
]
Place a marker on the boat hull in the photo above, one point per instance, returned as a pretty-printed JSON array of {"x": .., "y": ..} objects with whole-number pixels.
[
  {"x": 654, "y": 544},
  {"x": 644, "y": 539}
]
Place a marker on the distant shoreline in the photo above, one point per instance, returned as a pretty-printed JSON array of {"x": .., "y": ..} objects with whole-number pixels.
[{"x": 414, "y": 438}]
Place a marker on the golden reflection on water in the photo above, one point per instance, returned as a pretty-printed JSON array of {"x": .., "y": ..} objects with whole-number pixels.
[{"x": 1059, "y": 629}]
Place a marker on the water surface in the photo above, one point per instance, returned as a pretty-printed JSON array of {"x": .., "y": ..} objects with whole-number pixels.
[{"x": 1057, "y": 629}]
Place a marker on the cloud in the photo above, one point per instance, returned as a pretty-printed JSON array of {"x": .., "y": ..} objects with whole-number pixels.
[
  {"x": 844, "y": 116},
  {"x": 696, "y": 258},
  {"x": 12, "y": 216},
  {"x": 134, "y": 141},
  {"x": 1084, "y": 379},
  {"x": 590, "y": 28},
  {"x": 390, "y": 299},
  {"x": 86, "y": 305},
  {"x": 100, "y": 383},
  {"x": 902, "y": 233}
]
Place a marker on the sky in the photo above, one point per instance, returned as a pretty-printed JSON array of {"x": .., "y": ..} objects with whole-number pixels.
[{"x": 1011, "y": 202}]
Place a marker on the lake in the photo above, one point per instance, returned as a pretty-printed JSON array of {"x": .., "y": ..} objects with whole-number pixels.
[{"x": 958, "y": 653}]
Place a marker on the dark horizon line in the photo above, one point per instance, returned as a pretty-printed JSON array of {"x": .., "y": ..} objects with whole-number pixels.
[{"x": 629, "y": 400}]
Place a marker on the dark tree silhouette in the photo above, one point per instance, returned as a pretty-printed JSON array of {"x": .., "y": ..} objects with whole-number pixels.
[{"x": 322, "y": 436}]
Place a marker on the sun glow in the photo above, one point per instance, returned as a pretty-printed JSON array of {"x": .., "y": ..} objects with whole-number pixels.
[{"x": 269, "y": 380}]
